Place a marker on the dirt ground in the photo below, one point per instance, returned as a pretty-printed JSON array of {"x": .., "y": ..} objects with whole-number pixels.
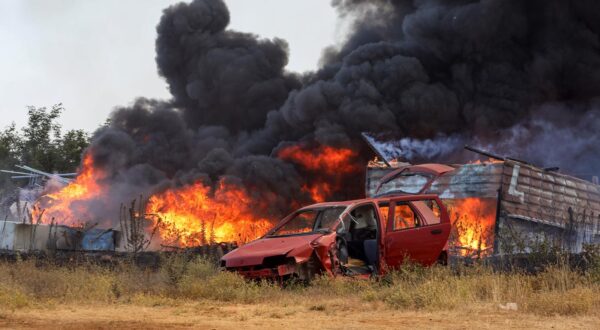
[{"x": 327, "y": 315}]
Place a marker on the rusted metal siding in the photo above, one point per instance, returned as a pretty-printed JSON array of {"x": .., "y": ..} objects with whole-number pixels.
[
  {"x": 564, "y": 209},
  {"x": 469, "y": 180}
]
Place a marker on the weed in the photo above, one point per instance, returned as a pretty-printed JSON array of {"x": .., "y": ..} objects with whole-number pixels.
[{"x": 319, "y": 308}]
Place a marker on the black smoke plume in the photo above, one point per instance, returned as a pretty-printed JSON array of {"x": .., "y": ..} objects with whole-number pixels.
[{"x": 517, "y": 77}]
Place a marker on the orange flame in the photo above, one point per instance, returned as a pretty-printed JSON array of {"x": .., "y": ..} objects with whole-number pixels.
[
  {"x": 326, "y": 159},
  {"x": 195, "y": 215},
  {"x": 473, "y": 221},
  {"x": 198, "y": 214},
  {"x": 490, "y": 160},
  {"x": 62, "y": 205},
  {"x": 326, "y": 163}
]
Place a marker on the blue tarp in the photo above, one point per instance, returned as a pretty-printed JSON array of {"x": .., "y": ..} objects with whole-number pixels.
[{"x": 98, "y": 240}]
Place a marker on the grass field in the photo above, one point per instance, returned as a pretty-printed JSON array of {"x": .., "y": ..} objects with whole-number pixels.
[{"x": 184, "y": 294}]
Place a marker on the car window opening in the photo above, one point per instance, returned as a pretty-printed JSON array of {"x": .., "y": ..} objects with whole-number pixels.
[
  {"x": 405, "y": 217},
  {"x": 408, "y": 183},
  {"x": 430, "y": 211},
  {"x": 309, "y": 221},
  {"x": 357, "y": 240},
  {"x": 384, "y": 212}
]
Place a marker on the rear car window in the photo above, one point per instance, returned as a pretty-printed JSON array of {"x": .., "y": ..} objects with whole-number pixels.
[
  {"x": 405, "y": 217},
  {"x": 430, "y": 211},
  {"x": 404, "y": 183}
]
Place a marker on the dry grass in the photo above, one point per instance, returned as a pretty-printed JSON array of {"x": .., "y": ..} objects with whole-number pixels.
[
  {"x": 557, "y": 291},
  {"x": 338, "y": 314}
]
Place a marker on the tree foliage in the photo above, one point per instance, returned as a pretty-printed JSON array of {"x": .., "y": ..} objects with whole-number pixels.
[{"x": 41, "y": 144}]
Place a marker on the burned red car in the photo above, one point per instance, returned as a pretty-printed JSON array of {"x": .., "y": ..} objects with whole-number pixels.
[{"x": 360, "y": 237}]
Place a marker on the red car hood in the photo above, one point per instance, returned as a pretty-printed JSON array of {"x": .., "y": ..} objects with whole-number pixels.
[{"x": 253, "y": 253}]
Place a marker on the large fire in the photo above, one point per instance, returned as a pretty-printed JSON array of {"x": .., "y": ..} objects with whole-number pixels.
[
  {"x": 329, "y": 165},
  {"x": 63, "y": 206},
  {"x": 196, "y": 215},
  {"x": 473, "y": 221}
]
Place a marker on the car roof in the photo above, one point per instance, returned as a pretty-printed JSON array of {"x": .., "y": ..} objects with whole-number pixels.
[
  {"x": 345, "y": 203},
  {"x": 376, "y": 200}
]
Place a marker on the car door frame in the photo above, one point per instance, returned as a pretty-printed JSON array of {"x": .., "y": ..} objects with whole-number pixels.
[{"x": 378, "y": 221}]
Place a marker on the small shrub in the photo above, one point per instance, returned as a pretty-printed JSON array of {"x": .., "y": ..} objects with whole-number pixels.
[
  {"x": 13, "y": 298},
  {"x": 319, "y": 308}
]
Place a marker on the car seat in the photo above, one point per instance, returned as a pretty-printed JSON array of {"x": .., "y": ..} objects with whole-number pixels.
[{"x": 370, "y": 246}]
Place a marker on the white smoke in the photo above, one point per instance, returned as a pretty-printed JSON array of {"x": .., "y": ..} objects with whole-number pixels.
[{"x": 410, "y": 149}]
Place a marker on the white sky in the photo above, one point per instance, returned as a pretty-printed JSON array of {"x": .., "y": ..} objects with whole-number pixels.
[{"x": 95, "y": 55}]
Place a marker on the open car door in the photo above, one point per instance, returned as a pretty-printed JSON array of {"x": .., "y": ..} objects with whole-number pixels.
[{"x": 418, "y": 228}]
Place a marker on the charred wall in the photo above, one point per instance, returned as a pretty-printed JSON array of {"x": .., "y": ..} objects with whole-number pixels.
[{"x": 541, "y": 206}]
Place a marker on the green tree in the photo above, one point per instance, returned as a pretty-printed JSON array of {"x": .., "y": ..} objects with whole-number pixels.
[
  {"x": 71, "y": 147},
  {"x": 41, "y": 137},
  {"x": 10, "y": 143},
  {"x": 41, "y": 144}
]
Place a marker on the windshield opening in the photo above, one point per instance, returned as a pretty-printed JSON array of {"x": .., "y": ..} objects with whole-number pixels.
[
  {"x": 309, "y": 221},
  {"x": 405, "y": 183}
]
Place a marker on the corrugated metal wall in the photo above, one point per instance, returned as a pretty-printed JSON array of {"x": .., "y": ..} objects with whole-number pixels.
[
  {"x": 469, "y": 180},
  {"x": 538, "y": 204}
]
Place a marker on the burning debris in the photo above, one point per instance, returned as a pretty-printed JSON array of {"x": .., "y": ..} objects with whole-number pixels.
[{"x": 62, "y": 205}]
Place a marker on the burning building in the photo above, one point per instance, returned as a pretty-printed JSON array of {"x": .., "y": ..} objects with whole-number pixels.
[{"x": 501, "y": 206}]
